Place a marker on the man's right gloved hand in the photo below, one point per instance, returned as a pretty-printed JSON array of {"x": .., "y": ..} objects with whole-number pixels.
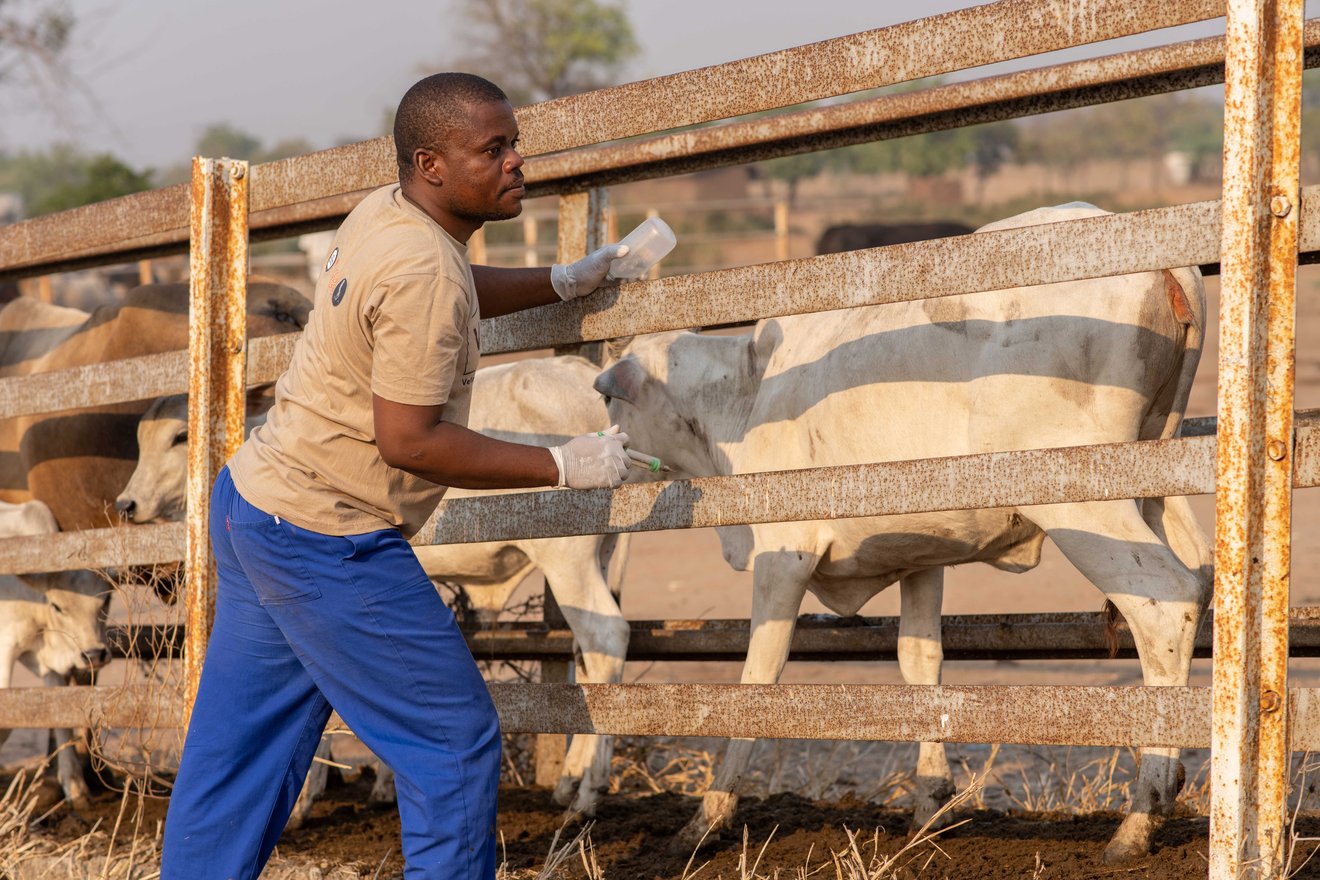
[{"x": 593, "y": 461}]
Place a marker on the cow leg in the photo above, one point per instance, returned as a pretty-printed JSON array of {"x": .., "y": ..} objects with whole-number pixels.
[
  {"x": 779, "y": 581},
  {"x": 68, "y": 767},
  {"x": 313, "y": 785},
  {"x": 574, "y": 572},
  {"x": 1162, "y": 601},
  {"x": 382, "y": 790},
  {"x": 920, "y": 656},
  {"x": 8, "y": 656},
  {"x": 1175, "y": 524}
]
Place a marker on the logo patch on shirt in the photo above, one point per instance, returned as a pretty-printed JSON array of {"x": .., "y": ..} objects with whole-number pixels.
[
  {"x": 334, "y": 255},
  {"x": 337, "y": 296}
]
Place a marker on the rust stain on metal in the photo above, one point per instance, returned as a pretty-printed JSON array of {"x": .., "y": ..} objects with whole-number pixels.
[
  {"x": 218, "y": 292},
  {"x": 926, "y": 47},
  {"x": 1169, "y": 716},
  {"x": 1254, "y": 499},
  {"x": 1092, "y": 247},
  {"x": 93, "y": 548},
  {"x": 1176, "y": 717},
  {"x": 1128, "y": 75},
  {"x": 1181, "y": 466}
]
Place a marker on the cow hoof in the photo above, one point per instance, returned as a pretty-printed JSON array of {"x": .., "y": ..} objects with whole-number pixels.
[
  {"x": 382, "y": 792},
  {"x": 927, "y": 818},
  {"x": 1117, "y": 853},
  {"x": 1132, "y": 840},
  {"x": 49, "y": 795},
  {"x": 697, "y": 834},
  {"x": 564, "y": 791}
]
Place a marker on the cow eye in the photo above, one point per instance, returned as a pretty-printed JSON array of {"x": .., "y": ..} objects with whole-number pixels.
[
  {"x": 180, "y": 438},
  {"x": 58, "y": 609}
]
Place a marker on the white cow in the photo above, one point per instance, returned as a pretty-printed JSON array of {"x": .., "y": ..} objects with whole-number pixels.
[
  {"x": 543, "y": 401},
  {"x": 1096, "y": 361},
  {"x": 54, "y": 624}
]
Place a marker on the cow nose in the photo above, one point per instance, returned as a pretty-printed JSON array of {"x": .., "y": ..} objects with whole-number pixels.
[
  {"x": 97, "y": 657},
  {"x": 126, "y": 507}
]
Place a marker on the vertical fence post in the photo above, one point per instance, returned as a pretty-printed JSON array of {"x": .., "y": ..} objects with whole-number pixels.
[
  {"x": 529, "y": 240},
  {"x": 574, "y": 219},
  {"x": 217, "y": 265},
  {"x": 781, "y": 230},
  {"x": 1253, "y": 503}
]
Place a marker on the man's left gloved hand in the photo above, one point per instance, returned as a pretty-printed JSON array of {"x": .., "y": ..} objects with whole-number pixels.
[{"x": 580, "y": 278}]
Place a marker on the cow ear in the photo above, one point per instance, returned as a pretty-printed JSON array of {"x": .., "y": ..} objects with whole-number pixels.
[
  {"x": 260, "y": 398},
  {"x": 623, "y": 381},
  {"x": 615, "y": 348},
  {"x": 768, "y": 336}
]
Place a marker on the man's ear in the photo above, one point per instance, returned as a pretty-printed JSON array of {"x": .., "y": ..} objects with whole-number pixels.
[{"x": 429, "y": 166}]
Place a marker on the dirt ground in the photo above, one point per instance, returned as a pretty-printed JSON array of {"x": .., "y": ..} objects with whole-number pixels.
[{"x": 787, "y": 836}]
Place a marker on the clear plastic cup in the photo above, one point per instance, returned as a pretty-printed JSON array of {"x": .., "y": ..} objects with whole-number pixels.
[{"x": 647, "y": 245}]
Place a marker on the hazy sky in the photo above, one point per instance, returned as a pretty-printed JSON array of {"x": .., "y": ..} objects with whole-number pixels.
[{"x": 160, "y": 71}]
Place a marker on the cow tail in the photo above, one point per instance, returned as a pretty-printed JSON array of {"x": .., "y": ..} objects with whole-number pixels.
[{"x": 1112, "y": 619}]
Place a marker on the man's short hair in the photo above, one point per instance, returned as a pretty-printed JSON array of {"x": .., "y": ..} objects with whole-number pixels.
[{"x": 433, "y": 108}]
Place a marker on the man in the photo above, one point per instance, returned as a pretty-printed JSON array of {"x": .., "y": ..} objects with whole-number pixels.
[{"x": 320, "y": 601}]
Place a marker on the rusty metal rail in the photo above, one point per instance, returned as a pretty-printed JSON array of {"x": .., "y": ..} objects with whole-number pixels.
[
  {"x": 1177, "y": 717},
  {"x": 1186, "y": 468},
  {"x": 306, "y": 192},
  {"x": 1254, "y": 462},
  {"x": 1093, "y": 247},
  {"x": 1183, "y": 466},
  {"x": 1076, "y": 635}
]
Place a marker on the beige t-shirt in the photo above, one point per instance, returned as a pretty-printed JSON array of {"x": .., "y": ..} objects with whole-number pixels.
[{"x": 395, "y": 313}]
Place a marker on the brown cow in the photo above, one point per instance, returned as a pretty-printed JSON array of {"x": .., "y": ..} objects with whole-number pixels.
[{"x": 78, "y": 461}]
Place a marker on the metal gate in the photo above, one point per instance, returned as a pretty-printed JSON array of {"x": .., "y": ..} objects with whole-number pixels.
[{"x": 1256, "y": 231}]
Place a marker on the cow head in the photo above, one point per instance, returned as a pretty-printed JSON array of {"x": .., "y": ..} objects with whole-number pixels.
[
  {"x": 67, "y": 610},
  {"x": 73, "y": 636},
  {"x": 157, "y": 491},
  {"x": 677, "y": 394}
]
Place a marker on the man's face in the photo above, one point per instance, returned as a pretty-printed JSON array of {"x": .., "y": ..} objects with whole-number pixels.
[{"x": 483, "y": 177}]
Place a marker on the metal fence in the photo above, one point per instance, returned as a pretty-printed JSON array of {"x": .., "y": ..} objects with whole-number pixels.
[{"x": 1255, "y": 233}]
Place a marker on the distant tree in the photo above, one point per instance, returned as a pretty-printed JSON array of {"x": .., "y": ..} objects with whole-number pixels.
[
  {"x": 794, "y": 169},
  {"x": 1197, "y": 125},
  {"x": 1061, "y": 142},
  {"x": 295, "y": 146},
  {"x": 102, "y": 177},
  {"x": 33, "y": 37},
  {"x": 221, "y": 139},
  {"x": 993, "y": 146},
  {"x": 64, "y": 177},
  {"x": 541, "y": 49}
]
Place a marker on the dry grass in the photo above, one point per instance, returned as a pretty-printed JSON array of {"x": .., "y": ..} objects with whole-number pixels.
[{"x": 129, "y": 848}]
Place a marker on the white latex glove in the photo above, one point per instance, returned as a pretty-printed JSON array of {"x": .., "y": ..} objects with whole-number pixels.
[
  {"x": 593, "y": 461},
  {"x": 580, "y": 278}
]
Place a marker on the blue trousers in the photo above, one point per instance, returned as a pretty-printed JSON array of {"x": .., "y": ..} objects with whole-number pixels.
[{"x": 305, "y": 622}]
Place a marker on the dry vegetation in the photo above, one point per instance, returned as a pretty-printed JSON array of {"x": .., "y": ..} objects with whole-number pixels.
[{"x": 126, "y": 845}]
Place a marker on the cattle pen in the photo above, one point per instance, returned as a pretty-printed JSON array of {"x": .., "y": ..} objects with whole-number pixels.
[{"x": 1251, "y": 459}]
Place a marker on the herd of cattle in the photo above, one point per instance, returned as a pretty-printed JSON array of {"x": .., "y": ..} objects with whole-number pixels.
[{"x": 1096, "y": 361}]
